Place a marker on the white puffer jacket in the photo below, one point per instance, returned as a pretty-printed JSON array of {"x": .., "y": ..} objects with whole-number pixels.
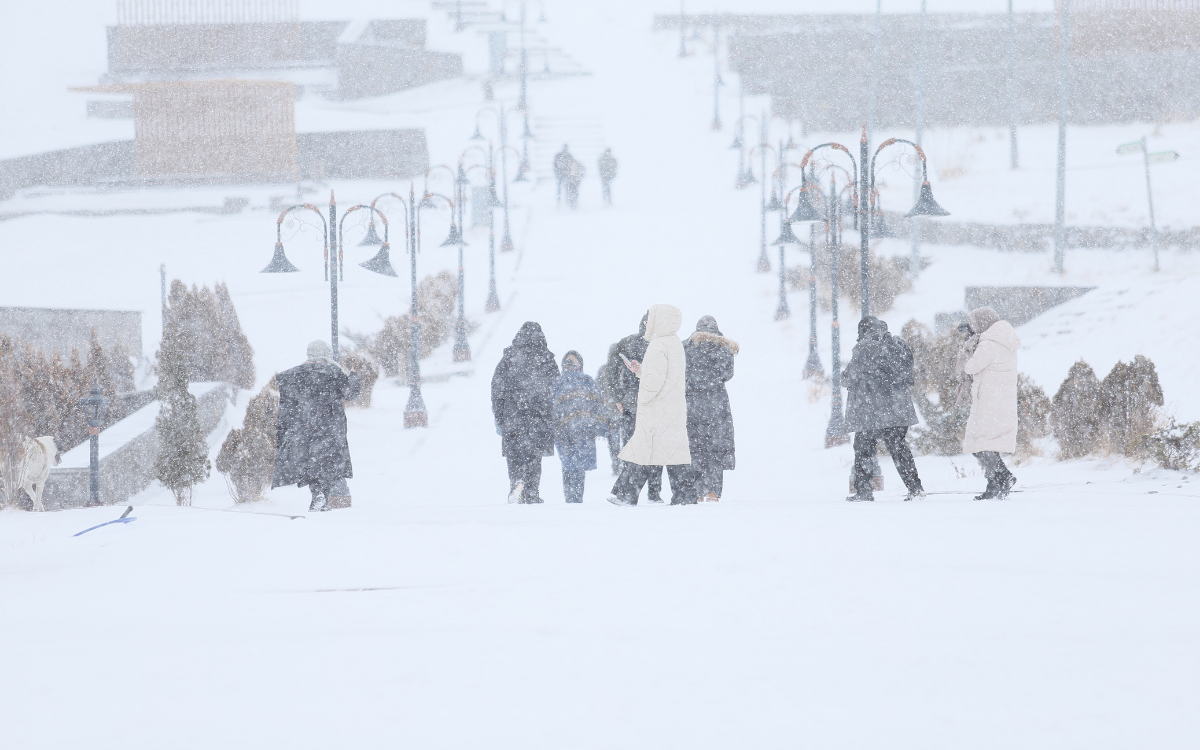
[
  {"x": 993, "y": 370},
  {"x": 660, "y": 433}
]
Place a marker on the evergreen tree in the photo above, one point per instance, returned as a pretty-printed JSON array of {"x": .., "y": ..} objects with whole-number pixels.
[
  {"x": 238, "y": 356},
  {"x": 182, "y": 460},
  {"x": 1033, "y": 414},
  {"x": 247, "y": 457},
  {"x": 1130, "y": 395},
  {"x": 1076, "y": 416}
]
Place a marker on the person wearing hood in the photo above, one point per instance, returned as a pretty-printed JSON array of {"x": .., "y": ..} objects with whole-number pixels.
[
  {"x": 989, "y": 358},
  {"x": 523, "y": 408},
  {"x": 660, "y": 433},
  {"x": 621, "y": 384},
  {"x": 311, "y": 427},
  {"x": 580, "y": 416},
  {"x": 879, "y": 405},
  {"x": 709, "y": 356}
]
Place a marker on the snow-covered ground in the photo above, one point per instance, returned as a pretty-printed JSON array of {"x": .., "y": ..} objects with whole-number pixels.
[{"x": 433, "y": 615}]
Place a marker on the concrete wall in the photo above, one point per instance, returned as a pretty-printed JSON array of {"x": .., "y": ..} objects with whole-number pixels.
[
  {"x": 63, "y": 330},
  {"x": 85, "y": 165},
  {"x": 373, "y": 69},
  {"x": 180, "y": 48},
  {"x": 362, "y": 154}
]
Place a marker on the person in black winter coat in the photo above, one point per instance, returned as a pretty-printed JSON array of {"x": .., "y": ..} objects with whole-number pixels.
[
  {"x": 311, "y": 426},
  {"x": 523, "y": 408},
  {"x": 879, "y": 404},
  {"x": 613, "y": 435},
  {"x": 709, "y": 418},
  {"x": 622, "y": 385}
]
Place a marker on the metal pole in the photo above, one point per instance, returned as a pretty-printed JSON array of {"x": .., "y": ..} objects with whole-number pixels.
[
  {"x": 812, "y": 367},
  {"x": 414, "y": 413},
  {"x": 335, "y": 249},
  {"x": 493, "y": 299},
  {"x": 506, "y": 244},
  {"x": 764, "y": 263},
  {"x": 462, "y": 348},
  {"x": 524, "y": 60},
  {"x": 682, "y": 30},
  {"x": 835, "y": 432},
  {"x": 914, "y": 263},
  {"x": 95, "y": 466},
  {"x": 1012, "y": 100},
  {"x": 782, "y": 311},
  {"x": 874, "y": 70},
  {"x": 716, "y": 123},
  {"x": 864, "y": 222},
  {"x": 1150, "y": 199},
  {"x": 1060, "y": 197}
]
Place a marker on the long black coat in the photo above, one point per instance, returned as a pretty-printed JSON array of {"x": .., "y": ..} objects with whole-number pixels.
[
  {"x": 709, "y": 418},
  {"x": 879, "y": 380},
  {"x": 618, "y": 381},
  {"x": 311, "y": 427},
  {"x": 521, "y": 395}
]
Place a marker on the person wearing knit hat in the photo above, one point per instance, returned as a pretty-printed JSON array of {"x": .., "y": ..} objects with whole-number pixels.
[
  {"x": 989, "y": 360},
  {"x": 709, "y": 356},
  {"x": 580, "y": 416},
  {"x": 311, "y": 427}
]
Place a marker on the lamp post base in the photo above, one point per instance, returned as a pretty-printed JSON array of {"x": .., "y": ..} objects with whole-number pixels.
[
  {"x": 782, "y": 312},
  {"x": 493, "y": 300},
  {"x": 764, "y": 263},
  {"x": 812, "y": 366},
  {"x": 716, "y": 124},
  {"x": 506, "y": 244}
]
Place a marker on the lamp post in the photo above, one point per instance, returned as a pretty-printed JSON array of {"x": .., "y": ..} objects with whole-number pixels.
[
  {"x": 682, "y": 31},
  {"x": 1158, "y": 157},
  {"x": 807, "y": 212},
  {"x": 333, "y": 231},
  {"x": 94, "y": 406},
  {"x": 764, "y": 263},
  {"x": 717, "y": 83},
  {"x": 1060, "y": 189},
  {"x": 835, "y": 432},
  {"x": 462, "y": 347}
]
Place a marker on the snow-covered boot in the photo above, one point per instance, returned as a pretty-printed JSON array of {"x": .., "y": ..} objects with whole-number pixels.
[
  {"x": 917, "y": 494},
  {"x": 861, "y": 497},
  {"x": 531, "y": 500},
  {"x": 319, "y": 502},
  {"x": 1005, "y": 485},
  {"x": 990, "y": 492},
  {"x": 617, "y": 500},
  {"x": 514, "y": 495}
]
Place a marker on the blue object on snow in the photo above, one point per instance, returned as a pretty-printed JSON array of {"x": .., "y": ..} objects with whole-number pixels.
[{"x": 122, "y": 519}]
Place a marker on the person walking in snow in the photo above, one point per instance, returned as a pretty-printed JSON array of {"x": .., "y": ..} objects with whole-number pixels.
[
  {"x": 623, "y": 385},
  {"x": 311, "y": 427},
  {"x": 660, "y": 433},
  {"x": 562, "y": 161},
  {"x": 608, "y": 172},
  {"x": 613, "y": 435},
  {"x": 709, "y": 356},
  {"x": 572, "y": 180},
  {"x": 523, "y": 408},
  {"x": 989, "y": 359},
  {"x": 879, "y": 405},
  {"x": 580, "y": 416}
]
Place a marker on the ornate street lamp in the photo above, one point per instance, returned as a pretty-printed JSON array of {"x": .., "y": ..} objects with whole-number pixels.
[{"x": 94, "y": 407}]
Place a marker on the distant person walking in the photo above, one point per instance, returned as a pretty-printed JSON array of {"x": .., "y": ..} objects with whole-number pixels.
[
  {"x": 522, "y": 406},
  {"x": 660, "y": 435},
  {"x": 623, "y": 385},
  {"x": 580, "y": 416},
  {"x": 311, "y": 426},
  {"x": 608, "y": 171},
  {"x": 879, "y": 405},
  {"x": 574, "y": 178},
  {"x": 562, "y": 160},
  {"x": 709, "y": 358},
  {"x": 989, "y": 358}
]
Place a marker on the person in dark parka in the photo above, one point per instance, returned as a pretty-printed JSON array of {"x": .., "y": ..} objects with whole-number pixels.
[
  {"x": 709, "y": 419},
  {"x": 623, "y": 385},
  {"x": 879, "y": 404},
  {"x": 523, "y": 408},
  {"x": 311, "y": 427},
  {"x": 580, "y": 416},
  {"x": 613, "y": 435}
]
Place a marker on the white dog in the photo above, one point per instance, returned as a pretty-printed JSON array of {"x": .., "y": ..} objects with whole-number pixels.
[{"x": 40, "y": 454}]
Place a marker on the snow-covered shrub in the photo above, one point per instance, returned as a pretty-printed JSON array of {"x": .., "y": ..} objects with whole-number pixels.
[
  {"x": 1076, "y": 415},
  {"x": 182, "y": 459},
  {"x": 1033, "y": 415},
  {"x": 368, "y": 373},
  {"x": 391, "y": 347},
  {"x": 214, "y": 347},
  {"x": 889, "y": 278},
  {"x": 247, "y": 457},
  {"x": 1175, "y": 446},
  {"x": 1129, "y": 399},
  {"x": 937, "y": 390}
]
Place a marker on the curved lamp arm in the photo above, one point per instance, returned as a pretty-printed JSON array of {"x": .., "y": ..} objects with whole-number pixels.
[{"x": 324, "y": 227}]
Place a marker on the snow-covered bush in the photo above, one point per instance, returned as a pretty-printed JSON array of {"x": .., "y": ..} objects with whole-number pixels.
[
  {"x": 182, "y": 460},
  {"x": 889, "y": 278},
  {"x": 937, "y": 390},
  {"x": 1175, "y": 446},
  {"x": 247, "y": 457},
  {"x": 1033, "y": 415},
  {"x": 214, "y": 347},
  {"x": 1076, "y": 415},
  {"x": 435, "y": 308},
  {"x": 368, "y": 373},
  {"x": 1129, "y": 400}
]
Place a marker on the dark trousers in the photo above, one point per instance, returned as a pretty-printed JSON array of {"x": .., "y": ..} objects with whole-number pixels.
[
  {"x": 864, "y": 449},
  {"x": 707, "y": 475},
  {"x": 993, "y": 466},
  {"x": 625, "y": 425},
  {"x": 322, "y": 486},
  {"x": 633, "y": 476},
  {"x": 527, "y": 469},
  {"x": 608, "y": 192},
  {"x": 573, "y": 485}
]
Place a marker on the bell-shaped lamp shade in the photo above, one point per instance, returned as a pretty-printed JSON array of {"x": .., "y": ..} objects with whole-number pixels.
[
  {"x": 774, "y": 204},
  {"x": 372, "y": 238},
  {"x": 279, "y": 262},
  {"x": 381, "y": 263},
  {"x": 749, "y": 177},
  {"x": 791, "y": 145},
  {"x": 477, "y": 136},
  {"x": 455, "y": 237},
  {"x": 926, "y": 205},
  {"x": 521, "y": 174},
  {"x": 493, "y": 200},
  {"x": 805, "y": 210},
  {"x": 528, "y": 134},
  {"x": 740, "y": 182},
  {"x": 786, "y": 236},
  {"x": 426, "y": 201},
  {"x": 879, "y": 225},
  {"x": 506, "y": 245},
  {"x": 737, "y": 142}
]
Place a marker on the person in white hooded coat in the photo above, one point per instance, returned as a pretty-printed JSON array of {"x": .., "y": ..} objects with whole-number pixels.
[
  {"x": 660, "y": 434},
  {"x": 989, "y": 357}
]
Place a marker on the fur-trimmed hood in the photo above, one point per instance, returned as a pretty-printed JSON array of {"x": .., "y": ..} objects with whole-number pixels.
[{"x": 704, "y": 337}]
